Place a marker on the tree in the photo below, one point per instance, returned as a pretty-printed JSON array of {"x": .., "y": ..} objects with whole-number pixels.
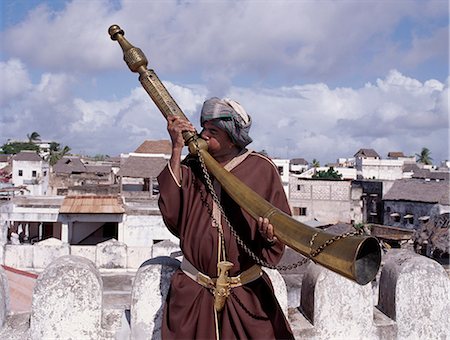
[
  {"x": 425, "y": 156},
  {"x": 99, "y": 157},
  {"x": 33, "y": 137},
  {"x": 15, "y": 147},
  {"x": 329, "y": 174},
  {"x": 315, "y": 163},
  {"x": 56, "y": 153}
]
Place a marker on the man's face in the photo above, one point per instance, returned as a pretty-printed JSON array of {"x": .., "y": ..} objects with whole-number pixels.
[{"x": 219, "y": 143}]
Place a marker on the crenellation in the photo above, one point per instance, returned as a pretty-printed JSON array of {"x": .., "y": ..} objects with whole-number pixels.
[{"x": 69, "y": 300}]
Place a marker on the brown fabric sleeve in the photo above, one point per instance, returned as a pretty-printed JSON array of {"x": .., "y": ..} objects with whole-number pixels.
[{"x": 169, "y": 200}]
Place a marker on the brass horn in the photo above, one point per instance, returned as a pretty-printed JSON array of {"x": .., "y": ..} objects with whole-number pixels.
[{"x": 355, "y": 257}]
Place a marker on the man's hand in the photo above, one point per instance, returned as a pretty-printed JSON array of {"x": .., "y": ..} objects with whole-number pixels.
[
  {"x": 266, "y": 230},
  {"x": 176, "y": 126}
]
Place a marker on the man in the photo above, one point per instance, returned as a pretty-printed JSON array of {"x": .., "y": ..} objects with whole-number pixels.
[{"x": 195, "y": 306}]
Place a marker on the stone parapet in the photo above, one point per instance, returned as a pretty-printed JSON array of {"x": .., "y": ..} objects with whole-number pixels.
[
  {"x": 413, "y": 302},
  {"x": 150, "y": 289},
  {"x": 107, "y": 256},
  {"x": 415, "y": 293},
  {"x": 67, "y": 301}
]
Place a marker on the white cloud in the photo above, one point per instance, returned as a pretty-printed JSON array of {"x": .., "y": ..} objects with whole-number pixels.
[
  {"x": 397, "y": 113},
  {"x": 14, "y": 78},
  {"x": 232, "y": 49},
  {"x": 219, "y": 40}
]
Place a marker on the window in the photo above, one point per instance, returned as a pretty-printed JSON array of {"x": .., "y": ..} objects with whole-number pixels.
[
  {"x": 424, "y": 219},
  {"x": 280, "y": 170},
  {"x": 373, "y": 207},
  {"x": 20, "y": 172},
  {"x": 300, "y": 187},
  {"x": 299, "y": 211},
  {"x": 395, "y": 217},
  {"x": 409, "y": 218},
  {"x": 33, "y": 173},
  {"x": 155, "y": 187}
]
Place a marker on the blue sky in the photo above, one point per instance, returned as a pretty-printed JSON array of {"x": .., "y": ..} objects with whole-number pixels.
[{"x": 321, "y": 79}]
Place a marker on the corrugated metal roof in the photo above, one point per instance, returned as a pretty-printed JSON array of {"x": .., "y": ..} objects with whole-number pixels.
[{"x": 91, "y": 204}]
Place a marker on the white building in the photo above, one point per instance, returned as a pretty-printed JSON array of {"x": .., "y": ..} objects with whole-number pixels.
[
  {"x": 325, "y": 200},
  {"x": 369, "y": 165},
  {"x": 347, "y": 173},
  {"x": 30, "y": 170},
  {"x": 298, "y": 165},
  {"x": 283, "y": 169}
]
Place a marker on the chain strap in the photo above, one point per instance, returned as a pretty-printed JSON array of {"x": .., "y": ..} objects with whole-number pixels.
[{"x": 261, "y": 262}]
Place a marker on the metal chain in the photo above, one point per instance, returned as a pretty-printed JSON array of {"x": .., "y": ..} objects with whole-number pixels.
[{"x": 261, "y": 262}]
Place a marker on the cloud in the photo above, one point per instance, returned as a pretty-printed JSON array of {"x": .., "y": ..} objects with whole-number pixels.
[
  {"x": 395, "y": 113},
  {"x": 220, "y": 41},
  {"x": 59, "y": 40},
  {"x": 15, "y": 80},
  {"x": 67, "y": 80}
]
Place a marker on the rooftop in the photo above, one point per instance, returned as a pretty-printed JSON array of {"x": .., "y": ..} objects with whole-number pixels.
[
  {"x": 419, "y": 190},
  {"x": 91, "y": 204},
  {"x": 155, "y": 147}
]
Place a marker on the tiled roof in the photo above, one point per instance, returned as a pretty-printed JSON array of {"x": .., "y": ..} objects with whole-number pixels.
[
  {"x": 92, "y": 204},
  {"x": 155, "y": 146},
  {"x": 367, "y": 153},
  {"x": 29, "y": 156},
  {"x": 142, "y": 167},
  {"x": 418, "y": 190}
]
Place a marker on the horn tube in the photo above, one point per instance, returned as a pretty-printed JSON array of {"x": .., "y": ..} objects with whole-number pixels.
[{"x": 356, "y": 257}]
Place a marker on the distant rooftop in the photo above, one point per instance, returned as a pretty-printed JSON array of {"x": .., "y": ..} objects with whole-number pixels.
[
  {"x": 68, "y": 165},
  {"x": 155, "y": 146},
  {"x": 28, "y": 156},
  {"x": 367, "y": 153},
  {"x": 91, "y": 204},
  {"x": 299, "y": 161},
  {"x": 395, "y": 154},
  {"x": 142, "y": 167},
  {"x": 419, "y": 190}
]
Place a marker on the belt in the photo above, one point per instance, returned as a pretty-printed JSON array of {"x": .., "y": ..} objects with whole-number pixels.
[{"x": 247, "y": 276}]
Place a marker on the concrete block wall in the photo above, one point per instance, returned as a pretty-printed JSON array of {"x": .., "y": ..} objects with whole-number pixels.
[{"x": 413, "y": 302}]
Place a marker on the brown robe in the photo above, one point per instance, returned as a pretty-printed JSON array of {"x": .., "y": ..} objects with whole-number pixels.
[{"x": 251, "y": 312}]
